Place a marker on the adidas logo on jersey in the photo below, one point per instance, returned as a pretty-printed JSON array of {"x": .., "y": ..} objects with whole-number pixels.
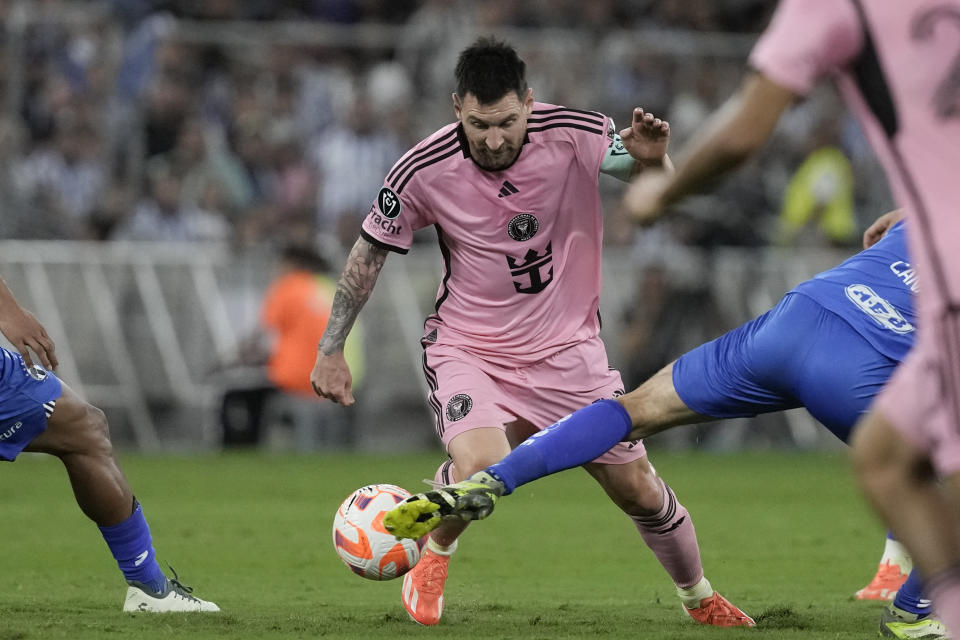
[{"x": 507, "y": 190}]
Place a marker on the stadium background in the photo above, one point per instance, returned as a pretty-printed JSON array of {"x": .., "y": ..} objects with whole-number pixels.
[{"x": 270, "y": 122}]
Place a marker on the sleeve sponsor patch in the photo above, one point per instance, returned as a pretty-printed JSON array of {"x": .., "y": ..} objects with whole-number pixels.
[{"x": 389, "y": 203}]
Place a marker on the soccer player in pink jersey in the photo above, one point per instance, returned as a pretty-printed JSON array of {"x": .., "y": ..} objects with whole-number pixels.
[
  {"x": 512, "y": 190},
  {"x": 897, "y": 65}
]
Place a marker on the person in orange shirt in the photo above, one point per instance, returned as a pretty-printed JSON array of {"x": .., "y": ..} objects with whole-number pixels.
[
  {"x": 294, "y": 314},
  {"x": 295, "y": 311}
]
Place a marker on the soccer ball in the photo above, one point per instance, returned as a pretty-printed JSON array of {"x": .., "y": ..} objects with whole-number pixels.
[{"x": 361, "y": 540}]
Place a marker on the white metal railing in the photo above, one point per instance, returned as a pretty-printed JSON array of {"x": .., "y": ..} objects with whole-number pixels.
[
  {"x": 74, "y": 311},
  {"x": 139, "y": 326}
]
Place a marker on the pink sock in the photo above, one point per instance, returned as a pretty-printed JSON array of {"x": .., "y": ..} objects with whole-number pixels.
[
  {"x": 670, "y": 535},
  {"x": 444, "y": 473},
  {"x": 944, "y": 590},
  {"x": 445, "y": 536}
]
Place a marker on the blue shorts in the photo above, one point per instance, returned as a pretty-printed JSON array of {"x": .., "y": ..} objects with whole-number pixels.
[
  {"x": 798, "y": 354},
  {"x": 27, "y": 399}
]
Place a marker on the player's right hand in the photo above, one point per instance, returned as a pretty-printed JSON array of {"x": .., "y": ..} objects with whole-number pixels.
[
  {"x": 646, "y": 138},
  {"x": 331, "y": 378},
  {"x": 880, "y": 226},
  {"x": 25, "y": 333}
]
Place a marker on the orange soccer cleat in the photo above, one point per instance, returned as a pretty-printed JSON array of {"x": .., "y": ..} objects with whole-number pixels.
[
  {"x": 423, "y": 588},
  {"x": 890, "y": 577},
  {"x": 717, "y": 611}
]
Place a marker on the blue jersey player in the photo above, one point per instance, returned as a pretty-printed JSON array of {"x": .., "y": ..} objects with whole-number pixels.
[
  {"x": 829, "y": 345},
  {"x": 39, "y": 413}
]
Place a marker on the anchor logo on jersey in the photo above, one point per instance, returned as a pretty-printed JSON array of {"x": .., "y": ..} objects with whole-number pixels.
[{"x": 529, "y": 268}]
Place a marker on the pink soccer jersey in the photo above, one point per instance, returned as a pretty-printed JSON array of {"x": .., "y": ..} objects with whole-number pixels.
[
  {"x": 897, "y": 64},
  {"x": 521, "y": 246}
]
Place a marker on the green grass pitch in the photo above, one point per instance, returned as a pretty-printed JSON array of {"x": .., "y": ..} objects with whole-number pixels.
[{"x": 784, "y": 536}]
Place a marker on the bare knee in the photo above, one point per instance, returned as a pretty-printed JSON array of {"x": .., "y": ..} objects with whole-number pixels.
[
  {"x": 95, "y": 432},
  {"x": 81, "y": 429},
  {"x": 477, "y": 449},
  {"x": 465, "y": 464}
]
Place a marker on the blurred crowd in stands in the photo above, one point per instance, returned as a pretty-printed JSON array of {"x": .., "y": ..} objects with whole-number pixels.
[{"x": 172, "y": 120}]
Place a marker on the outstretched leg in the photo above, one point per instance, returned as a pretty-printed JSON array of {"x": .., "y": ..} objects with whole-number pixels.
[
  {"x": 77, "y": 433},
  {"x": 571, "y": 442}
]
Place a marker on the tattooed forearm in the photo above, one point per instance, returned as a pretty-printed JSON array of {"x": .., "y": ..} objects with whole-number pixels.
[{"x": 355, "y": 286}]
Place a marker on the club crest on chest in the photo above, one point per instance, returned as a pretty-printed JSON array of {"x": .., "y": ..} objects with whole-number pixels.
[{"x": 523, "y": 227}]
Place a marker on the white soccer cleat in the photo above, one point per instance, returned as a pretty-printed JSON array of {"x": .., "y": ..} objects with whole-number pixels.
[{"x": 176, "y": 599}]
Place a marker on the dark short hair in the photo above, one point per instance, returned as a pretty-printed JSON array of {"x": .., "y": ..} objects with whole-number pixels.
[
  {"x": 490, "y": 69},
  {"x": 304, "y": 257}
]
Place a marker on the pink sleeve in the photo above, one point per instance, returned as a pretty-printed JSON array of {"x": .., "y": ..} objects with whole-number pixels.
[
  {"x": 591, "y": 147},
  {"x": 393, "y": 218},
  {"x": 806, "y": 41}
]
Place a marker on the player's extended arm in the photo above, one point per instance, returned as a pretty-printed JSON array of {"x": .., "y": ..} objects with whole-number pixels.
[
  {"x": 24, "y": 331},
  {"x": 733, "y": 134},
  {"x": 331, "y": 375}
]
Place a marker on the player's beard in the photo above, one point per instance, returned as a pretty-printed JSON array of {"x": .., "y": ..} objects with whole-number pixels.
[{"x": 495, "y": 160}]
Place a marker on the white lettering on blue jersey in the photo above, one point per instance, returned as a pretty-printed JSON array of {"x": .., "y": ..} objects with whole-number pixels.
[
  {"x": 9, "y": 433},
  {"x": 884, "y": 313},
  {"x": 905, "y": 272}
]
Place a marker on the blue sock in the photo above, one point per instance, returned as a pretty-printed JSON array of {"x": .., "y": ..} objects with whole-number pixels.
[
  {"x": 571, "y": 442},
  {"x": 132, "y": 546},
  {"x": 910, "y": 596}
]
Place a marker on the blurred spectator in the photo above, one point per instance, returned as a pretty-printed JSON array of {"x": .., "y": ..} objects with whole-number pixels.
[
  {"x": 352, "y": 157},
  {"x": 391, "y": 93},
  {"x": 163, "y": 216},
  {"x": 428, "y": 47},
  {"x": 663, "y": 321},
  {"x": 285, "y": 186},
  {"x": 295, "y": 183},
  {"x": 817, "y": 204},
  {"x": 166, "y": 106},
  {"x": 61, "y": 182},
  {"x": 293, "y": 316},
  {"x": 113, "y": 206},
  {"x": 207, "y": 172},
  {"x": 236, "y": 117},
  {"x": 820, "y": 195}
]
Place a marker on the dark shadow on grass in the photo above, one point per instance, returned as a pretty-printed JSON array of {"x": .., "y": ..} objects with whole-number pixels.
[{"x": 780, "y": 618}]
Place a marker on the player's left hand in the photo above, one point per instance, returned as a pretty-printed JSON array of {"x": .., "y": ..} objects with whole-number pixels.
[
  {"x": 26, "y": 333},
  {"x": 880, "y": 226},
  {"x": 644, "y": 199},
  {"x": 646, "y": 138}
]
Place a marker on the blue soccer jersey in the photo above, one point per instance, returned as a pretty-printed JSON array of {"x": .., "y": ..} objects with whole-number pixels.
[
  {"x": 829, "y": 345},
  {"x": 27, "y": 398},
  {"x": 873, "y": 291}
]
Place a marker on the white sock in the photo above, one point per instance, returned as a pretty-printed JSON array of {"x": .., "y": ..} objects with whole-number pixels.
[
  {"x": 895, "y": 553},
  {"x": 692, "y": 596},
  {"x": 439, "y": 549}
]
